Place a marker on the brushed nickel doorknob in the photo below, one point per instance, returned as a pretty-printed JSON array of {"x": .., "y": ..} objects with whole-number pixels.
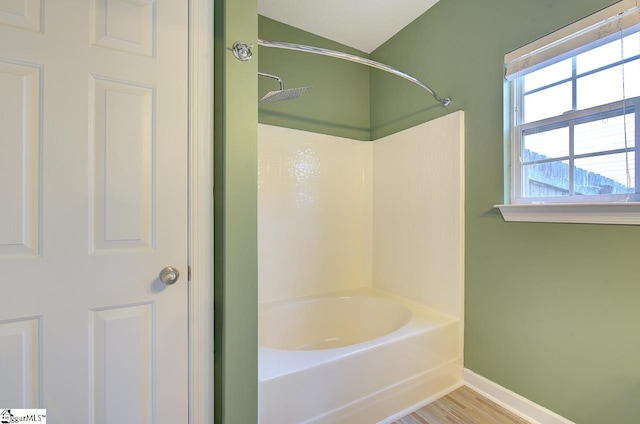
[{"x": 169, "y": 275}]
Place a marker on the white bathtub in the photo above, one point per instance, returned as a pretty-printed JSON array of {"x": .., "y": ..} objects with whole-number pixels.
[{"x": 353, "y": 357}]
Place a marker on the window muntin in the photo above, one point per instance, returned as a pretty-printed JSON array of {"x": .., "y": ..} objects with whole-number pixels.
[
  {"x": 591, "y": 136},
  {"x": 569, "y": 137},
  {"x": 549, "y": 143},
  {"x": 546, "y": 76}
]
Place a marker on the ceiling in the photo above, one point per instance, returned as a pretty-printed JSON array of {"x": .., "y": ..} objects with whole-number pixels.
[{"x": 362, "y": 24}]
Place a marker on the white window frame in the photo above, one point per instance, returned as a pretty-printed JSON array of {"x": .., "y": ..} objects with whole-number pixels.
[{"x": 594, "y": 209}]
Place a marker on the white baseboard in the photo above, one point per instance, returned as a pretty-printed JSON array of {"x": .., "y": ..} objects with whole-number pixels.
[{"x": 511, "y": 401}]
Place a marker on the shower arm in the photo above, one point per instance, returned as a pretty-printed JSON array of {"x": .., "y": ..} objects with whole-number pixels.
[
  {"x": 264, "y": 74},
  {"x": 357, "y": 59}
]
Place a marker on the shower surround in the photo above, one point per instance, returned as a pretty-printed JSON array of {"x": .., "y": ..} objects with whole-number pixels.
[{"x": 337, "y": 215}]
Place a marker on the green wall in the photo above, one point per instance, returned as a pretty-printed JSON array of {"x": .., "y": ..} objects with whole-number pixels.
[
  {"x": 235, "y": 216},
  {"x": 338, "y": 103},
  {"x": 552, "y": 310}
]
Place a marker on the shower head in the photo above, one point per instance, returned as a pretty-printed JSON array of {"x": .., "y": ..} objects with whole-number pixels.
[{"x": 282, "y": 94}]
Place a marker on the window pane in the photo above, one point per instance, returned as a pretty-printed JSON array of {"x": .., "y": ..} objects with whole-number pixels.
[
  {"x": 546, "y": 144},
  {"x": 606, "y": 86},
  {"x": 605, "y": 134},
  {"x": 607, "y": 174},
  {"x": 600, "y": 88},
  {"x": 599, "y": 57},
  {"x": 550, "y": 179},
  {"x": 631, "y": 45},
  {"x": 548, "y": 75},
  {"x": 632, "y": 79},
  {"x": 608, "y": 53},
  {"x": 547, "y": 103}
]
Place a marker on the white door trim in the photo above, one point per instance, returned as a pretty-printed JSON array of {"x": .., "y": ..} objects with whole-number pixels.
[{"x": 201, "y": 211}]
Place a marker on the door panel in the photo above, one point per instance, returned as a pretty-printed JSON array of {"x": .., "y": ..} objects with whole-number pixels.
[
  {"x": 122, "y": 166},
  {"x": 127, "y": 25},
  {"x": 93, "y": 187},
  {"x": 122, "y": 345},
  {"x": 19, "y": 161},
  {"x": 19, "y": 348},
  {"x": 21, "y": 13}
]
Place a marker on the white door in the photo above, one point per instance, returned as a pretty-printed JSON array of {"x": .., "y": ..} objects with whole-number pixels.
[{"x": 93, "y": 204}]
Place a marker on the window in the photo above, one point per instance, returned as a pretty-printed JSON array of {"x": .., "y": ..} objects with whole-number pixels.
[{"x": 574, "y": 107}]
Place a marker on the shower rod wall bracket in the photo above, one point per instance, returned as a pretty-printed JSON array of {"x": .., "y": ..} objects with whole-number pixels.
[{"x": 242, "y": 51}]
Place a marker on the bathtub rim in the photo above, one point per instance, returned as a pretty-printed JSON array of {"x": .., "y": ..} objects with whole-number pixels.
[
  {"x": 275, "y": 363},
  {"x": 358, "y": 291},
  {"x": 366, "y": 317}
]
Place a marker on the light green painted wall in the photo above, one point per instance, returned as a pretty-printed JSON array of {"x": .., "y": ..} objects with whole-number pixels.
[
  {"x": 236, "y": 260},
  {"x": 552, "y": 310},
  {"x": 338, "y": 103}
]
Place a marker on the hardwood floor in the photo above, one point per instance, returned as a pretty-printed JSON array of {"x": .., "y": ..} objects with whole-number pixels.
[{"x": 463, "y": 406}]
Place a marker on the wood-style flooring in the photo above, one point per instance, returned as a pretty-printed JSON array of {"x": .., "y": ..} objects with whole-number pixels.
[{"x": 462, "y": 406}]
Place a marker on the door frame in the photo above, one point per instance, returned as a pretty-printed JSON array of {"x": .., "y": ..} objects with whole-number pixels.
[{"x": 200, "y": 226}]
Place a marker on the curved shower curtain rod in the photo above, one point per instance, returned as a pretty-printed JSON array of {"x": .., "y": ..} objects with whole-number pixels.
[{"x": 243, "y": 52}]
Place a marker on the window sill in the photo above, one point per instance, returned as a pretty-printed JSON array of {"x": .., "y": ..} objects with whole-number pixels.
[{"x": 574, "y": 213}]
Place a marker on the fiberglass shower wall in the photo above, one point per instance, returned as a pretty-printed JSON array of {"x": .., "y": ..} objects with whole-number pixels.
[
  {"x": 336, "y": 213},
  {"x": 418, "y": 214},
  {"x": 314, "y": 213}
]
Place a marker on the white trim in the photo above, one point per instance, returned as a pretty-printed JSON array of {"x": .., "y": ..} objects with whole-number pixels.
[
  {"x": 511, "y": 401},
  {"x": 201, "y": 211},
  {"x": 573, "y": 213}
]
